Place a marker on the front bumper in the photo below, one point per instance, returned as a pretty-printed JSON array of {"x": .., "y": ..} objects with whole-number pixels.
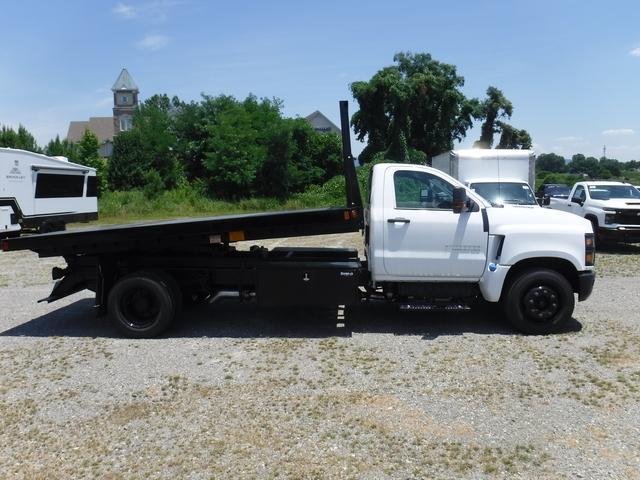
[
  {"x": 586, "y": 280},
  {"x": 630, "y": 234}
]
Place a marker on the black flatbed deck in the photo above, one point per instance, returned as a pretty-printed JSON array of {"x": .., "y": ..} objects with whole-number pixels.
[{"x": 191, "y": 233}]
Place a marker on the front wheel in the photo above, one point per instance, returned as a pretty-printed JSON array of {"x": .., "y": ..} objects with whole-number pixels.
[{"x": 539, "y": 301}]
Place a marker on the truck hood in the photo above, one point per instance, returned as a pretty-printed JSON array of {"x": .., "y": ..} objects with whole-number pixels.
[
  {"x": 504, "y": 220},
  {"x": 616, "y": 203}
]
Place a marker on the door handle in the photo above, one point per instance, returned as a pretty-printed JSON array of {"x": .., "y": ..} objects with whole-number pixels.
[{"x": 398, "y": 220}]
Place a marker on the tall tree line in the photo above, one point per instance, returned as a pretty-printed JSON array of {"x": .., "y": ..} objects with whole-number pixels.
[
  {"x": 601, "y": 168},
  {"x": 233, "y": 148},
  {"x": 415, "y": 109}
]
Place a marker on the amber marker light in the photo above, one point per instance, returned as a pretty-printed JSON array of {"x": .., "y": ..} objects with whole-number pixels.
[
  {"x": 236, "y": 236},
  {"x": 589, "y": 249}
]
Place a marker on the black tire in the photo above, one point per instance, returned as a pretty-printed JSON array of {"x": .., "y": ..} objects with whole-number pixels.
[
  {"x": 539, "y": 302},
  {"x": 46, "y": 227},
  {"x": 174, "y": 289},
  {"x": 141, "y": 305},
  {"x": 49, "y": 227}
]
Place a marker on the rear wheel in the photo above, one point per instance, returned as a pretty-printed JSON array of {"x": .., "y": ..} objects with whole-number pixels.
[
  {"x": 539, "y": 301},
  {"x": 142, "y": 305}
]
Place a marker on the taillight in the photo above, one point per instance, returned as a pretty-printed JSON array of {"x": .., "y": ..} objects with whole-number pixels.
[
  {"x": 4, "y": 244},
  {"x": 589, "y": 249}
]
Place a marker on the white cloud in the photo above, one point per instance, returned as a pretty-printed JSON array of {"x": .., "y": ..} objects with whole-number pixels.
[
  {"x": 617, "y": 132},
  {"x": 149, "y": 12},
  {"x": 123, "y": 10},
  {"x": 152, "y": 42},
  {"x": 635, "y": 52}
]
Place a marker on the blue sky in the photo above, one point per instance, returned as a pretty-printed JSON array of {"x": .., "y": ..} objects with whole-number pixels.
[{"x": 571, "y": 68}]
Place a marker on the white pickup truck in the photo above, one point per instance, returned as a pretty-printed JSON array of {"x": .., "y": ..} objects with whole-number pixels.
[
  {"x": 613, "y": 208},
  {"x": 430, "y": 242}
]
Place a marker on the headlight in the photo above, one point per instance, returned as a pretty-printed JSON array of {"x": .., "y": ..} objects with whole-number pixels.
[{"x": 609, "y": 218}]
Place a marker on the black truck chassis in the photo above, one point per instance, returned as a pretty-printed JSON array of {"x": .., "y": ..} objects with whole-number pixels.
[{"x": 143, "y": 273}]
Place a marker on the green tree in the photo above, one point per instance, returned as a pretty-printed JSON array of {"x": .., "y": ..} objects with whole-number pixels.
[
  {"x": 313, "y": 157},
  {"x": 54, "y": 147},
  {"x": 614, "y": 167},
  {"x": 190, "y": 122},
  {"x": 512, "y": 137},
  {"x": 61, "y": 148},
  {"x": 245, "y": 148},
  {"x": 550, "y": 162},
  {"x": 21, "y": 139},
  {"x": 236, "y": 146},
  {"x": 495, "y": 107},
  {"x": 130, "y": 164},
  {"x": 154, "y": 123},
  {"x": 415, "y": 104},
  {"x": 88, "y": 154},
  {"x": 584, "y": 165}
]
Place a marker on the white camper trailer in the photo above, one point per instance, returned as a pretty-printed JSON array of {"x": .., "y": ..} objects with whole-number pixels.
[
  {"x": 501, "y": 176},
  {"x": 43, "y": 194}
]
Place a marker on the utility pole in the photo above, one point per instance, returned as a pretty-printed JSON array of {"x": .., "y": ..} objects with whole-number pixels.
[{"x": 604, "y": 152}]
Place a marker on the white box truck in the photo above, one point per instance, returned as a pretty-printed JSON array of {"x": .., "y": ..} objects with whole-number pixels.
[
  {"x": 43, "y": 194},
  {"x": 503, "y": 177}
]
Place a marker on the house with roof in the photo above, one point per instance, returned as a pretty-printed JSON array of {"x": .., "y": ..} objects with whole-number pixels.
[
  {"x": 125, "y": 102},
  {"x": 320, "y": 123}
]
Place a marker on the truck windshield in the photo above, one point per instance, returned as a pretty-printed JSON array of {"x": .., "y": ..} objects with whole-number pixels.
[
  {"x": 557, "y": 190},
  {"x": 604, "y": 192},
  {"x": 502, "y": 193}
]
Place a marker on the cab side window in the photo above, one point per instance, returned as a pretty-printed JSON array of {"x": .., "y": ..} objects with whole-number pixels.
[
  {"x": 416, "y": 190},
  {"x": 579, "y": 194}
]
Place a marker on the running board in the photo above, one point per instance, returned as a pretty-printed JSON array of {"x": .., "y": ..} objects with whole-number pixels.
[{"x": 434, "y": 307}]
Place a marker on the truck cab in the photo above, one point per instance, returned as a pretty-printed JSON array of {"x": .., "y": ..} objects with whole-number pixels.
[
  {"x": 613, "y": 208},
  {"x": 428, "y": 235}
]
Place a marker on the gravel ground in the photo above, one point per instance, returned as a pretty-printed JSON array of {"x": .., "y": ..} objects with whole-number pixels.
[{"x": 237, "y": 392}]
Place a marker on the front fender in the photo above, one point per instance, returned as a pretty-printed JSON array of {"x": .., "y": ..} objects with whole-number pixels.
[{"x": 562, "y": 242}]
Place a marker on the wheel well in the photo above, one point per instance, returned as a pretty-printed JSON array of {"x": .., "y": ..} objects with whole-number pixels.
[
  {"x": 563, "y": 267},
  {"x": 591, "y": 218}
]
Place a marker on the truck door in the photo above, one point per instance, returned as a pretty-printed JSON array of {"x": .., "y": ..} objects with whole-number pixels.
[
  {"x": 422, "y": 236},
  {"x": 577, "y": 200}
]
